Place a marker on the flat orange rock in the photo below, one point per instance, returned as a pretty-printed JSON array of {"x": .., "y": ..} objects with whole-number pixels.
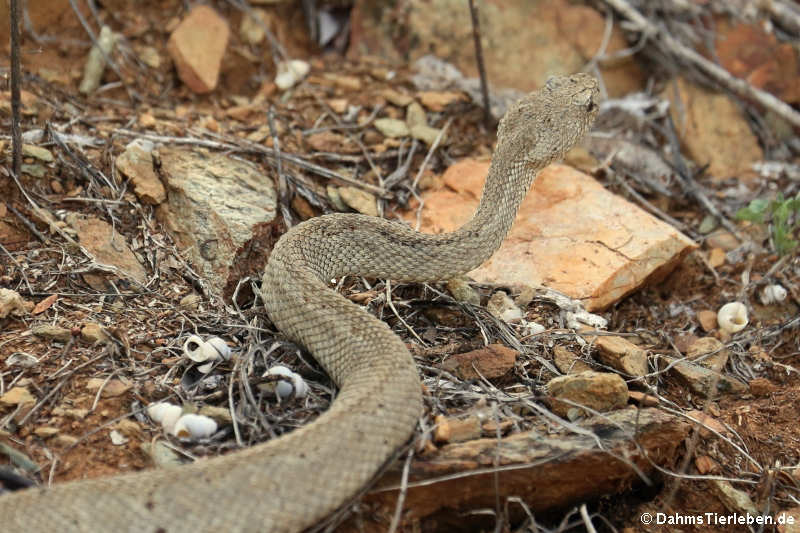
[{"x": 570, "y": 234}]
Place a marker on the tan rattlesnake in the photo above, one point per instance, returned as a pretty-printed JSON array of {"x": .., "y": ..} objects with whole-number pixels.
[{"x": 290, "y": 483}]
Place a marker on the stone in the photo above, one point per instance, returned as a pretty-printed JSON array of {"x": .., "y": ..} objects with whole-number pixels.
[
  {"x": 571, "y": 235},
  {"x": 65, "y": 441},
  {"x": 161, "y": 453},
  {"x": 753, "y": 53},
  {"x": 451, "y": 429},
  {"x": 707, "y": 319},
  {"x": 190, "y": 302},
  {"x": 761, "y": 387},
  {"x": 339, "y": 105},
  {"x": 439, "y": 100},
  {"x": 501, "y": 306},
  {"x": 441, "y": 430},
  {"x": 220, "y": 233},
  {"x": 117, "y": 438},
  {"x": 12, "y": 304},
  {"x": 335, "y": 198},
  {"x": 107, "y": 247},
  {"x": 600, "y": 391},
  {"x": 290, "y": 73},
  {"x": 129, "y": 428},
  {"x": 427, "y": 134},
  {"x": 72, "y": 412},
  {"x": 360, "y": 200},
  {"x": 722, "y": 239},
  {"x": 567, "y": 362},
  {"x": 111, "y": 388},
  {"x": 415, "y": 115},
  {"x": 525, "y": 296},
  {"x": 136, "y": 164},
  {"x": 96, "y": 61},
  {"x": 622, "y": 355},
  {"x": 330, "y": 141},
  {"x": 707, "y": 225},
  {"x": 17, "y": 396},
  {"x": 397, "y": 98},
  {"x": 52, "y": 333},
  {"x": 706, "y": 122},
  {"x": 94, "y": 333},
  {"x": 461, "y": 291},
  {"x": 36, "y": 171},
  {"x": 221, "y": 415},
  {"x": 716, "y": 257},
  {"x": 197, "y": 46},
  {"x": 391, "y": 127},
  {"x": 149, "y": 56},
  {"x": 700, "y": 378},
  {"x": 709, "y": 345},
  {"x": 343, "y": 81},
  {"x": 45, "y": 432},
  {"x": 735, "y": 500},
  {"x": 493, "y": 361},
  {"x": 251, "y": 30},
  {"x": 705, "y": 464},
  {"x": 37, "y": 152}
]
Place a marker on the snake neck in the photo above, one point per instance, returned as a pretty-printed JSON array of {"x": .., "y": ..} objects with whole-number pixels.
[{"x": 503, "y": 192}]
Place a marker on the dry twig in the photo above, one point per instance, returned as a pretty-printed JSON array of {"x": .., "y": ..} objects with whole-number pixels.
[
  {"x": 476, "y": 37},
  {"x": 16, "y": 134},
  {"x": 671, "y": 46}
]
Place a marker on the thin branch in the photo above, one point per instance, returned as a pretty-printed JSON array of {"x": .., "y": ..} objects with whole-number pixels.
[
  {"x": 736, "y": 85},
  {"x": 784, "y": 14},
  {"x": 476, "y": 35},
  {"x": 16, "y": 133}
]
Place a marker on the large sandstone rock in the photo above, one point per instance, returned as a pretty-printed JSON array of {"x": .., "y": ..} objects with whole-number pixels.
[
  {"x": 219, "y": 210},
  {"x": 570, "y": 234}
]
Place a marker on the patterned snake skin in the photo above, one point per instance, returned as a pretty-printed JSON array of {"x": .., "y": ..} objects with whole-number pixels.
[{"x": 290, "y": 483}]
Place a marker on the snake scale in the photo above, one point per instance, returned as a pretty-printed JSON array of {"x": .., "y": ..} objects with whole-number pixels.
[{"x": 290, "y": 483}]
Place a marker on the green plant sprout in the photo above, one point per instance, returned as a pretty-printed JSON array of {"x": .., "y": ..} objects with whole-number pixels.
[{"x": 783, "y": 216}]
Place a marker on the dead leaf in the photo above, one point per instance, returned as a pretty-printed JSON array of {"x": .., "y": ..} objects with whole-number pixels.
[{"x": 45, "y": 304}]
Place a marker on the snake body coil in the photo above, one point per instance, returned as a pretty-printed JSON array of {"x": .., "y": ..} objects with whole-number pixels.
[{"x": 290, "y": 483}]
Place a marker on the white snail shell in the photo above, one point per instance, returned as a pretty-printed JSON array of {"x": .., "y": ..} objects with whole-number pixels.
[
  {"x": 165, "y": 413},
  {"x": 284, "y": 389},
  {"x": 197, "y": 350},
  {"x": 221, "y": 347},
  {"x": 732, "y": 317},
  {"x": 773, "y": 294},
  {"x": 291, "y": 72},
  {"x": 194, "y": 427}
]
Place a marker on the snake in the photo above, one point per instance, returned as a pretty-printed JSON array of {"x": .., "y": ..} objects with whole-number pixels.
[{"x": 290, "y": 483}]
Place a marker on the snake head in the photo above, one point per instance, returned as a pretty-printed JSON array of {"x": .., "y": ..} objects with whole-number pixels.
[{"x": 541, "y": 127}]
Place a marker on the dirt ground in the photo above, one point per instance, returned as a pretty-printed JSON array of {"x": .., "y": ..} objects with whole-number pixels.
[{"x": 67, "y": 433}]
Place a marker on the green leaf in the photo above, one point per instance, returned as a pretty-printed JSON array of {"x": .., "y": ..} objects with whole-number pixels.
[
  {"x": 746, "y": 213},
  {"x": 783, "y": 214}
]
